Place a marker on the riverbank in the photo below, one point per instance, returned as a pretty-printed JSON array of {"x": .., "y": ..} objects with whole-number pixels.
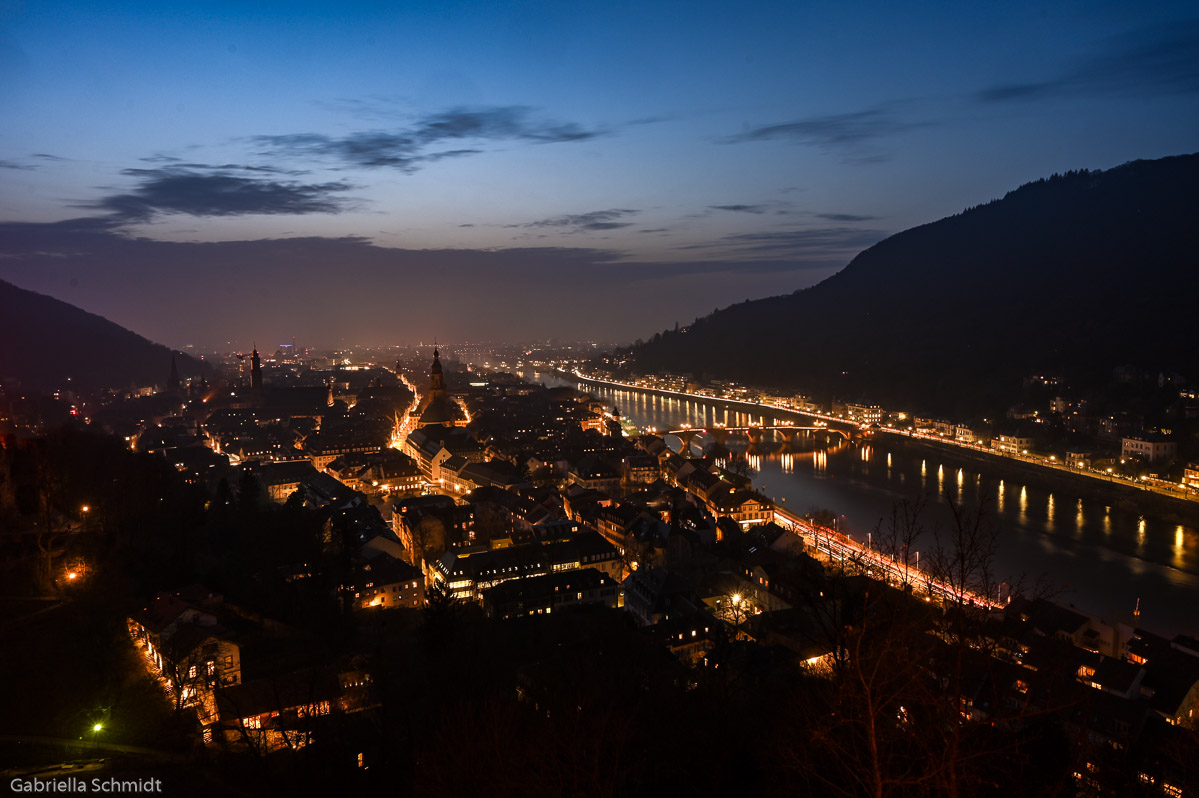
[
  {"x": 1116, "y": 494},
  {"x": 1126, "y": 496},
  {"x": 1074, "y": 533}
]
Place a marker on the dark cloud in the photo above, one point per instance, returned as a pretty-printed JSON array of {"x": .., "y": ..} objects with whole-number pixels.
[
  {"x": 405, "y": 149},
  {"x": 802, "y": 245},
  {"x": 844, "y": 217},
  {"x": 1016, "y": 91},
  {"x": 438, "y": 156},
  {"x": 1152, "y": 61},
  {"x": 220, "y": 191},
  {"x": 28, "y": 241},
  {"x": 583, "y": 222},
  {"x": 226, "y": 167},
  {"x": 642, "y": 272},
  {"x": 740, "y": 208},
  {"x": 24, "y": 164},
  {"x": 655, "y": 230},
  {"x": 849, "y": 131}
]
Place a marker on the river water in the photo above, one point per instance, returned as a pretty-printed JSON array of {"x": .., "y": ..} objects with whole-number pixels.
[{"x": 1096, "y": 556}]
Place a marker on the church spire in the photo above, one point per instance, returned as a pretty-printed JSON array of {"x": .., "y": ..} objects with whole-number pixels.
[
  {"x": 173, "y": 380},
  {"x": 255, "y": 370},
  {"x": 436, "y": 379}
]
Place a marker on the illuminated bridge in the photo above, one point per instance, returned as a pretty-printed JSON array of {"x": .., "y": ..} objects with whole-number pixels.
[
  {"x": 787, "y": 433},
  {"x": 889, "y": 567}
]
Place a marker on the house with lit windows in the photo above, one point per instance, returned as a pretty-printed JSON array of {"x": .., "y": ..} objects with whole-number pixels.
[
  {"x": 388, "y": 583},
  {"x": 186, "y": 648},
  {"x": 275, "y": 713},
  {"x": 543, "y": 595},
  {"x": 1151, "y": 448}
]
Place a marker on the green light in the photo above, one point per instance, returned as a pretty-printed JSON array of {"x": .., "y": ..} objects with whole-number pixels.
[{"x": 97, "y": 727}]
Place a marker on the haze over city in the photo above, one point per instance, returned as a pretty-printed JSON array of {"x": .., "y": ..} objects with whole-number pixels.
[{"x": 205, "y": 173}]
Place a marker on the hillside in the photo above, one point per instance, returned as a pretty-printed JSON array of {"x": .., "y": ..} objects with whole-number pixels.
[
  {"x": 1074, "y": 274},
  {"x": 43, "y": 341}
]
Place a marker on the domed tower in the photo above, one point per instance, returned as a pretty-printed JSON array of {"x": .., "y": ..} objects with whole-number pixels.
[
  {"x": 437, "y": 407},
  {"x": 436, "y": 380}
]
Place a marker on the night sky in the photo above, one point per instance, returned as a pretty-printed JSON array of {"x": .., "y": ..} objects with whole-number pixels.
[{"x": 206, "y": 173}]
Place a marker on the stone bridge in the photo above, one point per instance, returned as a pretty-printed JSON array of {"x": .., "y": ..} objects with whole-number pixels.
[{"x": 787, "y": 433}]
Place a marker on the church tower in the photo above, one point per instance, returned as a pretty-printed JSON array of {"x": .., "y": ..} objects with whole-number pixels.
[
  {"x": 255, "y": 370},
  {"x": 437, "y": 407},
  {"x": 436, "y": 380},
  {"x": 173, "y": 380}
]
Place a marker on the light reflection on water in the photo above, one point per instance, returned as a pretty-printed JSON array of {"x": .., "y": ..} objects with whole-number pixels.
[{"x": 1103, "y": 557}]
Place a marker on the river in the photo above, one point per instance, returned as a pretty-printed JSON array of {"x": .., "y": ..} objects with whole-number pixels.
[{"x": 1098, "y": 557}]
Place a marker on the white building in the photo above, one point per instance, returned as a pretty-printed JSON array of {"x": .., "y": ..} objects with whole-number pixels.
[
  {"x": 864, "y": 414},
  {"x": 1150, "y": 448},
  {"x": 1012, "y": 444}
]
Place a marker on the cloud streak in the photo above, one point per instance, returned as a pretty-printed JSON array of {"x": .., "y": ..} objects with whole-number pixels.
[
  {"x": 740, "y": 208},
  {"x": 1153, "y": 61},
  {"x": 849, "y": 132},
  {"x": 219, "y": 191},
  {"x": 817, "y": 244},
  {"x": 408, "y": 149},
  {"x": 844, "y": 217},
  {"x": 595, "y": 221}
]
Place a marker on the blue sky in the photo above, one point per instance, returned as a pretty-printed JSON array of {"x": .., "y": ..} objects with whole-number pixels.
[{"x": 211, "y": 172}]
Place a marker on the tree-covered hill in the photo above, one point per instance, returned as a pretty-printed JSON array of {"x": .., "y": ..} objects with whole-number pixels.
[
  {"x": 43, "y": 341},
  {"x": 1075, "y": 274}
]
